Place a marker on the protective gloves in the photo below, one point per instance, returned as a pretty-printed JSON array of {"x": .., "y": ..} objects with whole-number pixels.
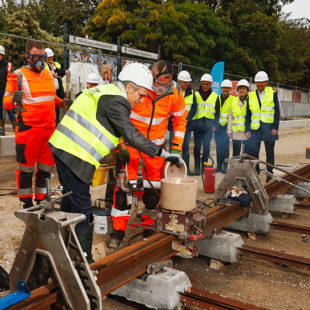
[
  {"x": 67, "y": 103},
  {"x": 174, "y": 157},
  {"x": 18, "y": 96},
  {"x": 124, "y": 156}
]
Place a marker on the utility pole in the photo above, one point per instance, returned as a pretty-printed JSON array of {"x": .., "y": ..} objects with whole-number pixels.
[
  {"x": 66, "y": 51},
  {"x": 158, "y": 52},
  {"x": 119, "y": 50},
  {"x": 99, "y": 64}
]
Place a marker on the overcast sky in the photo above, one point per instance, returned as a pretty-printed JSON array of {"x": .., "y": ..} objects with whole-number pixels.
[{"x": 299, "y": 9}]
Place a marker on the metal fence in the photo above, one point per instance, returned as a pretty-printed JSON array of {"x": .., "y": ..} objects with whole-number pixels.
[{"x": 287, "y": 93}]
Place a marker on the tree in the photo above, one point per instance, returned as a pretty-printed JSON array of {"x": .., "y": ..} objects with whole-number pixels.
[
  {"x": 21, "y": 23},
  {"x": 52, "y": 14},
  {"x": 294, "y": 58},
  {"x": 187, "y": 32},
  {"x": 267, "y": 7},
  {"x": 264, "y": 42}
]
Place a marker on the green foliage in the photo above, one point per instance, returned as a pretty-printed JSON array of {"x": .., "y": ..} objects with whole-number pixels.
[
  {"x": 264, "y": 42},
  {"x": 52, "y": 14},
  {"x": 186, "y": 32},
  {"x": 249, "y": 35},
  {"x": 21, "y": 23}
]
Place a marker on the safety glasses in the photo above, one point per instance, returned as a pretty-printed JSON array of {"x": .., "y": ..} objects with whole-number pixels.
[
  {"x": 37, "y": 57},
  {"x": 141, "y": 96}
]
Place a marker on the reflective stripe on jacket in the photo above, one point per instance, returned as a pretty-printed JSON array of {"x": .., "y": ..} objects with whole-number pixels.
[
  {"x": 206, "y": 108},
  {"x": 238, "y": 122},
  {"x": 39, "y": 97},
  {"x": 10, "y": 68},
  {"x": 80, "y": 133},
  {"x": 225, "y": 108},
  {"x": 265, "y": 112},
  {"x": 189, "y": 100},
  {"x": 150, "y": 118}
]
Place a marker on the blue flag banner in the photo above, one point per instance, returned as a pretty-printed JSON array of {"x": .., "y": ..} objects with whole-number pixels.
[{"x": 218, "y": 76}]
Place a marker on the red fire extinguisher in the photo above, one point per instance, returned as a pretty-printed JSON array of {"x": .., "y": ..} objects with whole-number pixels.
[{"x": 208, "y": 174}]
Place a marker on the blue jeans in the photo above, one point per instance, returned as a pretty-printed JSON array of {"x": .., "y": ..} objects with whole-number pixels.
[
  {"x": 10, "y": 112},
  {"x": 254, "y": 150},
  {"x": 79, "y": 201},
  {"x": 187, "y": 139},
  {"x": 222, "y": 141},
  {"x": 202, "y": 136}
]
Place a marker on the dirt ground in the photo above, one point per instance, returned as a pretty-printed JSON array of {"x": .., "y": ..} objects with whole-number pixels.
[{"x": 261, "y": 283}]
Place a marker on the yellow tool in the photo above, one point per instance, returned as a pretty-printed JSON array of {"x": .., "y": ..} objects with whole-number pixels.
[{"x": 101, "y": 175}]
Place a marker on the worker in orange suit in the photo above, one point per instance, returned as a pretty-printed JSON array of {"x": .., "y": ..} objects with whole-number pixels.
[
  {"x": 34, "y": 126},
  {"x": 150, "y": 118}
]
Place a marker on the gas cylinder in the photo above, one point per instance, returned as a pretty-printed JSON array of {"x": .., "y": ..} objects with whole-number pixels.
[{"x": 208, "y": 176}]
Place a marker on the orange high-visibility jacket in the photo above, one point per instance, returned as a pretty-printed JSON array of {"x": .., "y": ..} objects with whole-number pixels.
[
  {"x": 39, "y": 97},
  {"x": 151, "y": 117}
]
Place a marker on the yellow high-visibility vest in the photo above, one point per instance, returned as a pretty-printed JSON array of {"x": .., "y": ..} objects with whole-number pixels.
[
  {"x": 205, "y": 108},
  {"x": 80, "y": 133},
  {"x": 238, "y": 123},
  {"x": 223, "y": 120},
  {"x": 265, "y": 113}
]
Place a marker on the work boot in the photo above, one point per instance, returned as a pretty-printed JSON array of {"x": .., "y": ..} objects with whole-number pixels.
[
  {"x": 116, "y": 239},
  {"x": 224, "y": 169},
  {"x": 14, "y": 124},
  {"x": 219, "y": 162},
  {"x": 27, "y": 202},
  {"x": 85, "y": 236},
  {"x": 147, "y": 233},
  {"x": 2, "y": 130},
  {"x": 197, "y": 166},
  {"x": 186, "y": 160},
  {"x": 225, "y": 164}
]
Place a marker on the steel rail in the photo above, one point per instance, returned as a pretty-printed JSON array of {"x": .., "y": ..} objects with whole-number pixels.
[
  {"x": 304, "y": 205},
  {"x": 121, "y": 267},
  {"x": 127, "y": 264},
  {"x": 206, "y": 300},
  {"x": 278, "y": 187},
  {"x": 290, "y": 227},
  {"x": 111, "y": 271},
  {"x": 222, "y": 216},
  {"x": 275, "y": 257}
]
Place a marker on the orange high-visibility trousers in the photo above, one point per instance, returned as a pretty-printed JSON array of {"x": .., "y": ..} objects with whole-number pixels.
[
  {"x": 121, "y": 209},
  {"x": 32, "y": 152}
]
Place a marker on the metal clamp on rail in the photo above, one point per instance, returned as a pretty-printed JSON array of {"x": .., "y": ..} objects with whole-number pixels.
[{"x": 50, "y": 250}]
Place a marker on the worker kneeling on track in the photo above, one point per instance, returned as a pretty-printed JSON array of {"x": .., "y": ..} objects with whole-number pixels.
[
  {"x": 151, "y": 120},
  {"x": 90, "y": 130}
]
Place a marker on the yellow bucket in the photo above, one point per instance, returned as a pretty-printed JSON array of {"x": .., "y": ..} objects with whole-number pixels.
[{"x": 101, "y": 175}]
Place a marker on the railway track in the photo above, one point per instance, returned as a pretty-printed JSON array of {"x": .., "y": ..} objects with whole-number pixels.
[
  {"x": 206, "y": 300},
  {"x": 127, "y": 264}
]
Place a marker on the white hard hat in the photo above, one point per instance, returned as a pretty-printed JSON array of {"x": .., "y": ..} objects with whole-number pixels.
[
  {"x": 184, "y": 76},
  {"x": 92, "y": 78},
  {"x": 206, "y": 77},
  {"x": 49, "y": 52},
  {"x": 138, "y": 74},
  {"x": 261, "y": 76},
  {"x": 243, "y": 82},
  {"x": 2, "y": 52},
  {"x": 226, "y": 83}
]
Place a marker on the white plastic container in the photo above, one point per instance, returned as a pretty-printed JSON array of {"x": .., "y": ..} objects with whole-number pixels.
[
  {"x": 102, "y": 222},
  {"x": 178, "y": 194}
]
